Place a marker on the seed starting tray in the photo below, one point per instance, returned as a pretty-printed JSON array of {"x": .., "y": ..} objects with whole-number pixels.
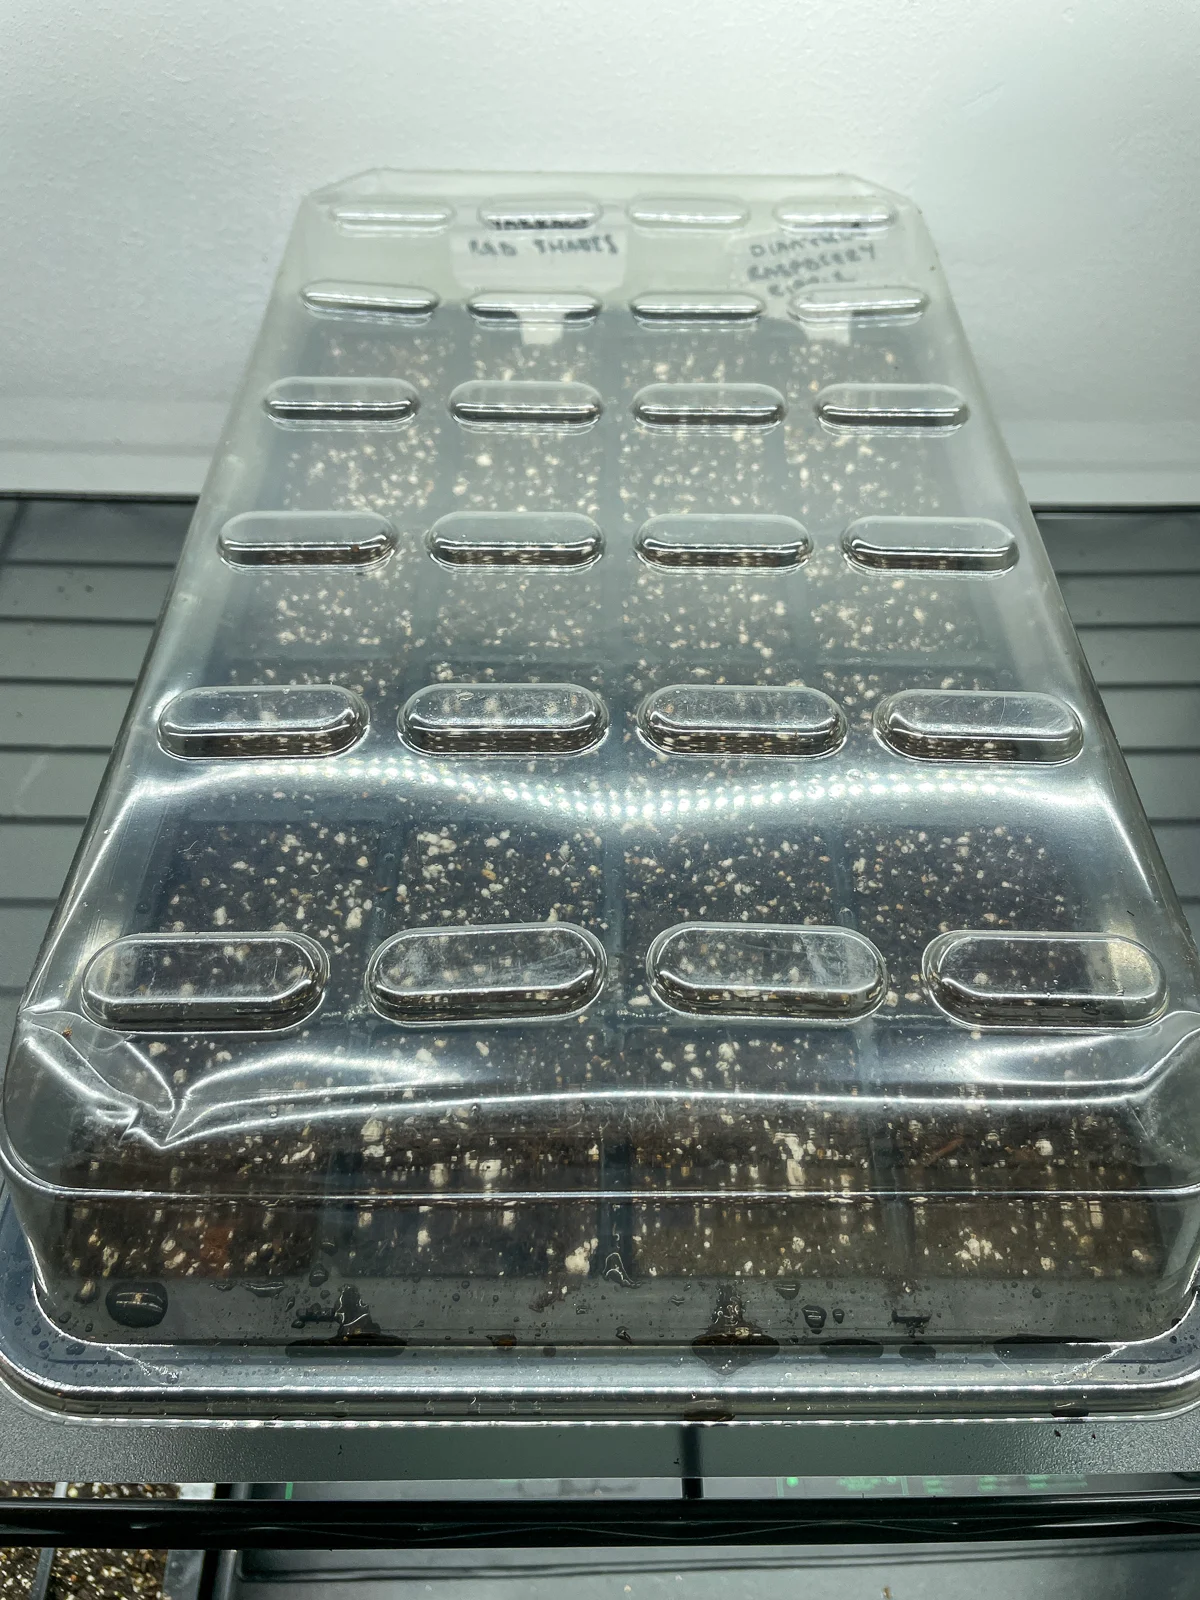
[{"x": 615, "y": 849}]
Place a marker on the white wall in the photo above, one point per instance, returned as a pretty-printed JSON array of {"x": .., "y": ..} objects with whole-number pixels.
[{"x": 152, "y": 153}]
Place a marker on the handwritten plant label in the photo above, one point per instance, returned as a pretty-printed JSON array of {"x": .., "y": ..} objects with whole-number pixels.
[
  {"x": 591, "y": 259},
  {"x": 776, "y": 265}
]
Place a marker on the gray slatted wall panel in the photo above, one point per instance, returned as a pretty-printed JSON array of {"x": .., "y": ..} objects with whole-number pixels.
[
  {"x": 1131, "y": 581},
  {"x": 81, "y": 584}
]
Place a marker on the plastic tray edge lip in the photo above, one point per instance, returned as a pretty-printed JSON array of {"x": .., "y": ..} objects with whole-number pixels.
[{"x": 149, "y": 1388}]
